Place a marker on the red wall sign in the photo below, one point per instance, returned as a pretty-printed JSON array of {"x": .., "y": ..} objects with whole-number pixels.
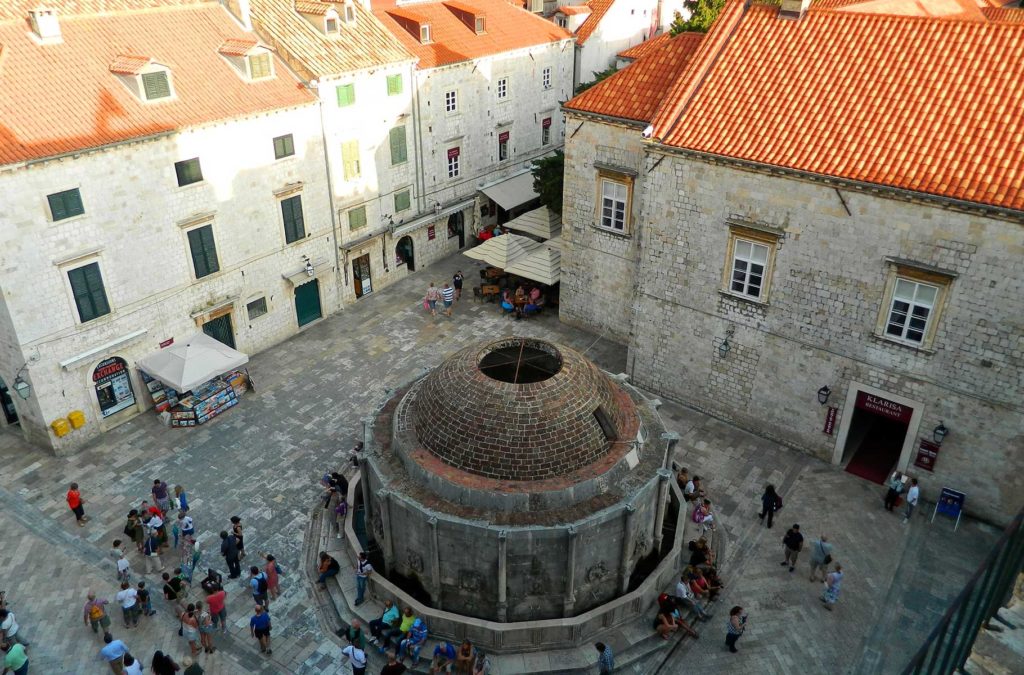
[
  {"x": 431, "y": 233},
  {"x": 167, "y": 343},
  {"x": 503, "y": 137},
  {"x": 108, "y": 368},
  {"x": 884, "y": 407},
  {"x": 453, "y": 153},
  {"x": 927, "y": 452},
  {"x": 546, "y": 122},
  {"x": 830, "y": 420}
]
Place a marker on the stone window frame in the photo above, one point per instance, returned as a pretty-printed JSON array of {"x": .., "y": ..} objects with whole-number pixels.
[
  {"x": 545, "y": 78},
  {"x": 758, "y": 236},
  {"x": 81, "y": 261},
  {"x": 620, "y": 177},
  {"x": 905, "y": 270},
  {"x": 451, "y": 102},
  {"x": 196, "y": 226},
  {"x": 502, "y": 88},
  {"x": 249, "y": 307}
]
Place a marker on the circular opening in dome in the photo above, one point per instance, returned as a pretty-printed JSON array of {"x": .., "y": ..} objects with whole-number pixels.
[{"x": 521, "y": 361}]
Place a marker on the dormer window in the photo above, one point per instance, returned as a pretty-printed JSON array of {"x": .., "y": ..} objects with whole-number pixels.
[
  {"x": 147, "y": 79},
  {"x": 350, "y": 12},
  {"x": 480, "y": 25},
  {"x": 425, "y": 33},
  {"x": 251, "y": 60},
  {"x": 259, "y": 66},
  {"x": 330, "y": 26}
]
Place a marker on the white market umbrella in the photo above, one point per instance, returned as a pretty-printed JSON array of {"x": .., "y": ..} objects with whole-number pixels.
[
  {"x": 543, "y": 265},
  {"x": 503, "y": 250},
  {"x": 543, "y": 223},
  {"x": 187, "y": 365}
]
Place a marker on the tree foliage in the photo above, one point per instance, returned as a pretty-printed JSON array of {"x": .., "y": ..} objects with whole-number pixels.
[
  {"x": 547, "y": 180},
  {"x": 702, "y": 14},
  {"x": 603, "y": 75}
]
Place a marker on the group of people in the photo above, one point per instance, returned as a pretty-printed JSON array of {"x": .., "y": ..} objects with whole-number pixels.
[
  {"x": 895, "y": 488},
  {"x": 821, "y": 560},
  {"x": 522, "y": 303},
  {"x": 403, "y": 635}
]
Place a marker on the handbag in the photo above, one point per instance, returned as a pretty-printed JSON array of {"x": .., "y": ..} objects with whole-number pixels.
[{"x": 828, "y": 556}]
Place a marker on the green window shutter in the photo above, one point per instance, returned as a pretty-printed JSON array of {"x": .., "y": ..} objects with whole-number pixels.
[
  {"x": 350, "y": 159},
  {"x": 346, "y": 95},
  {"x": 90, "y": 296},
  {"x": 156, "y": 85},
  {"x": 402, "y": 201},
  {"x": 65, "y": 204},
  {"x": 357, "y": 218},
  {"x": 204, "y": 251},
  {"x": 399, "y": 152},
  {"x": 188, "y": 171},
  {"x": 394, "y": 85},
  {"x": 284, "y": 146},
  {"x": 291, "y": 211}
]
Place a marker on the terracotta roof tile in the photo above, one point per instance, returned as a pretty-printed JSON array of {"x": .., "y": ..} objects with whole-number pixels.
[
  {"x": 365, "y": 44},
  {"x": 18, "y": 9},
  {"x": 452, "y": 40},
  {"x": 635, "y": 92},
  {"x": 314, "y": 7},
  {"x": 572, "y": 10},
  {"x": 237, "y": 46},
  {"x": 645, "y": 47},
  {"x": 598, "y": 8},
  {"x": 1010, "y": 14},
  {"x": 41, "y": 116},
  {"x": 933, "y": 105},
  {"x": 127, "y": 64}
]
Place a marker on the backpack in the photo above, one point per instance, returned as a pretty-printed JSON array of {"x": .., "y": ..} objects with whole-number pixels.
[
  {"x": 95, "y": 613},
  {"x": 778, "y": 503},
  {"x": 261, "y": 583}
]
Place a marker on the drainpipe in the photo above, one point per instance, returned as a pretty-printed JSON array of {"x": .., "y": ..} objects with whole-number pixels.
[
  {"x": 338, "y": 269},
  {"x": 417, "y": 130}
]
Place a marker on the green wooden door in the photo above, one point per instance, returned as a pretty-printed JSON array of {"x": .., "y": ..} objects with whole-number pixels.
[
  {"x": 220, "y": 329},
  {"x": 307, "y": 302}
]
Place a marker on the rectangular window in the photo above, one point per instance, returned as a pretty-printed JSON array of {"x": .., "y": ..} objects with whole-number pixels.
[
  {"x": 350, "y": 159},
  {"x": 502, "y": 88},
  {"x": 911, "y": 308},
  {"x": 188, "y": 171},
  {"x": 394, "y": 85},
  {"x": 503, "y": 146},
  {"x": 65, "y": 204},
  {"x": 399, "y": 152},
  {"x": 614, "y": 204},
  {"x": 425, "y": 33},
  {"x": 403, "y": 201},
  {"x": 204, "y": 251},
  {"x": 545, "y": 78},
  {"x": 481, "y": 24},
  {"x": 256, "y": 308},
  {"x": 357, "y": 218},
  {"x": 563, "y": 22},
  {"x": 156, "y": 85},
  {"x": 453, "y": 162},
  {"x": 291, "y": 212},
  {"x": 87, "y": 287},
  {"x": 284, "y": 146},
  {"x": 259, "y": 66},
  {"x": 451, "y": 102},
  {"x": 545, "y": 131},
  {"x": 346, "y": 95},
  {"x": 749, "y": 262}
]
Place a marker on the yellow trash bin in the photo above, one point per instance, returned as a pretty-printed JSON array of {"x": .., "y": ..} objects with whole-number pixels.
[
  {"x": 77, "y": 419},
  {"x": 60, "y": 426}
]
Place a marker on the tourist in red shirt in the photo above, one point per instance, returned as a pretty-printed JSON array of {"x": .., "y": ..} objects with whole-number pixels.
[
  {"x": 215, "y": 601},
  {"x": 75, "y": 502}
]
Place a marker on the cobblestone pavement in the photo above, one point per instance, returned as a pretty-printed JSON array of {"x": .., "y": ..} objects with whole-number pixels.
[{"x": 262, "y": 459}]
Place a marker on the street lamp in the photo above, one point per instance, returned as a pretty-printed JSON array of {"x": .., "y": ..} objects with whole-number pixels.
[
  {"x": 23, "y": 388},
  {"x": 940, "y": 433},
  {"x": 823, "y": 394}
]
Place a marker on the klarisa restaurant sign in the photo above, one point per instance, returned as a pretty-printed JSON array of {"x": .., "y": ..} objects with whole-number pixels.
[{"x": 884, "y": 407}]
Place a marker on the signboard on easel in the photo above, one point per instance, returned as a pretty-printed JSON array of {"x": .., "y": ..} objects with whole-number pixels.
[{"x": 950, "y": 503}]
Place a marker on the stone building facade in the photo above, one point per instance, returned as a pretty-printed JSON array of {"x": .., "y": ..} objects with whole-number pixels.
[
  {"x": 204, "y": 221},
  {"x": 754, "y": 289}
]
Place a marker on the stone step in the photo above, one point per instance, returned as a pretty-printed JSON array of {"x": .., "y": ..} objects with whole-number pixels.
[{"x": 1002, "y": 652}]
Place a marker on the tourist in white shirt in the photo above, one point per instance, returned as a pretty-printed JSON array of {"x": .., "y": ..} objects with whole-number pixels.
[
  {"x": 685, "y": 596},
  {"x": 128, "y": 598},
  {"x": 912, "y": 496}
]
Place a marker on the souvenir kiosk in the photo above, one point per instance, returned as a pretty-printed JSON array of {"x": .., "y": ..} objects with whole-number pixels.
[{"x": 193, "y": 382}]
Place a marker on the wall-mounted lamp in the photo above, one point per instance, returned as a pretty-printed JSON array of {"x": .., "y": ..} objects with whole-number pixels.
[
  {"x": 823, "y": 394},
  {"x": 724, "y": 347},
  {"x": 940, "y": 433},
  {"x": 309, "y": 266},
  {"x": 23, "y": 388}
]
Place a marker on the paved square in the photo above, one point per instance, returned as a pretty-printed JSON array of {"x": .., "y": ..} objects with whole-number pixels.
[{"x": 262, "y": 459}]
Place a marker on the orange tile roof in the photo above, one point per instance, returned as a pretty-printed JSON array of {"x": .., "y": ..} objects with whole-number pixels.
[
  {"x": 508, "y": 28},
  {"x": 635, "y": 92},
  {"x": 1011, "y": 14},
  {"x": 645, "y": 47},
  {"x": 41, "y": 115},
  {"x": 598, "y": 8},
  {"x": 18, "y": 9},
  {"x": 917, "y": 103},
  {"x": 237, "y": 46},
  {"x": 127, "y": 64},
  {"x": 572, "y": 10},
  {"x": 365, "y": 44},
  {"x": 314, "y": 7}
]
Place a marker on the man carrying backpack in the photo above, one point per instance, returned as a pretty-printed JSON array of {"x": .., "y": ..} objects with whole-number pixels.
[{"x": 258, "y": 582}]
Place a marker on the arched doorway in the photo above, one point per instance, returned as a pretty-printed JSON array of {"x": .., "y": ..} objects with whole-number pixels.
[
  {"x": 113, "y": 386},
  {"x": 404, "y": 253},
  {"x": 456, "y": 228},
  {"x": 7, "y": 403}
]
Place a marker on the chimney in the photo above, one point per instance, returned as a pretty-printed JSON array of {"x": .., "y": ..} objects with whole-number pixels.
[
  {"x": 794, "y": 9},
  {"x": 45, "y": 24}
]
